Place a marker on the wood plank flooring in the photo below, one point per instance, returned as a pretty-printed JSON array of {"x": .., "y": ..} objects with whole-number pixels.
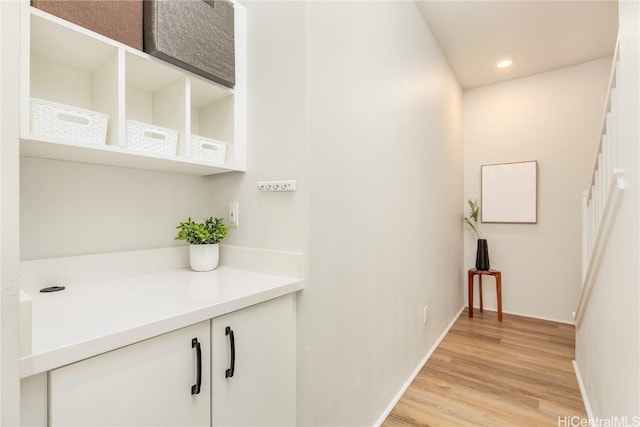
[{"x": 517, "y": 372}]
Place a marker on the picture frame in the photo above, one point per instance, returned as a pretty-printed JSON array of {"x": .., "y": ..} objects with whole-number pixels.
[{"x": 509, "y": 193}]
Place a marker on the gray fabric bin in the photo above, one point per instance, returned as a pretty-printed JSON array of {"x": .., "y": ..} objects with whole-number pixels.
[{"x": 196, "y": 35}]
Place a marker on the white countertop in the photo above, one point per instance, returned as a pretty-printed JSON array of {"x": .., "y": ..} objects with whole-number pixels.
[{"x": 87, "y": 319}]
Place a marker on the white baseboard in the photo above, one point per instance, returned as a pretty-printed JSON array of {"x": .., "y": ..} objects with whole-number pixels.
[
  {"x": 415, "y": 373},
  {"x": 566, "y": 322},
  {"x": 583, "y": 391}
]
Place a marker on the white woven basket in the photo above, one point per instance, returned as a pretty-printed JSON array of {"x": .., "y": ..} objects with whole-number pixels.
[
  {"x": 151, "y": 139},
  {"x": 208, "y": 150},
  {"x": 68, "y": 123}
]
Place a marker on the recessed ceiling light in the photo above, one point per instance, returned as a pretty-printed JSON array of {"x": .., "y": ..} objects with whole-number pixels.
[{"x": 504, "y": 63}]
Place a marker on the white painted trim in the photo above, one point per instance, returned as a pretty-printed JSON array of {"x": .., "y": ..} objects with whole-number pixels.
[
  {"x": 415, "y": 373},
  {"x": 566, "y": 322},
  {"x": 583, "y": 391},
  {"x": 26, "y": 310},
  {"x": 612, "y": 203},
  {"x": 607, "y": 109}
]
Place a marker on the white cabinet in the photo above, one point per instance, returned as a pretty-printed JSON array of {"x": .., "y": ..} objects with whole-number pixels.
[
  {"x": 254, "y": 370},
  {"x": 153, "y": 382},
  {"x": 33, "y": 401},
  {"x": 67, "y": 64},
  {"x": 244, "y": 363}
]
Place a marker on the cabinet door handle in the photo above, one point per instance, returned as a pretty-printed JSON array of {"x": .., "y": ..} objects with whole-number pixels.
[
  {"x": 232, "y": 344},
  {"x": 195, "y": 389}
]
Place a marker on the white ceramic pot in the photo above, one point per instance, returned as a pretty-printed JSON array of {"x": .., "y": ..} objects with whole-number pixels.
[{"x": 204, "y": 257}]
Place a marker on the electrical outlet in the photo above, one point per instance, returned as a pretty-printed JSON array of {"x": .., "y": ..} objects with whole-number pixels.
[
  {"x": 289, "y": 185},
  {"x": 425, "y": 314},
  {"x": 234, "y": 214}
]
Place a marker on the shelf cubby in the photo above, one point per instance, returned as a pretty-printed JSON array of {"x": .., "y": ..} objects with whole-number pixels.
[
  {"x": 156, "y": 94},
  {"x": 212, "y": 114},
  {"x": 67, "y": 64},
  {"x": 58, "y": 73}
]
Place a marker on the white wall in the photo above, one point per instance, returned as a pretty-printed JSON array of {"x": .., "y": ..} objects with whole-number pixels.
[
  {"x": 355, "y": 101},
  {"x": 69, "y": 208},
  {"x": 553, "y": 118},
  {"x": 277, "y": 134},
  {"x": 608, "y": 336},
  {"x": 9, "y": 220},
  {"x": 385, "y": 184}
]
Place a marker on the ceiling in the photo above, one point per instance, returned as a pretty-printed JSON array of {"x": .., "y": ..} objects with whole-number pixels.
[{"x": 539, "y": 35}]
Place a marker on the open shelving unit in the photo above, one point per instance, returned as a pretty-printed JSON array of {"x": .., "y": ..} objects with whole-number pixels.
[{"x": 64, "y": 63}]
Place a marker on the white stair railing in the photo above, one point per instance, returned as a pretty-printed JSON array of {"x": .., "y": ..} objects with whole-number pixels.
[{"x": 601, "y": 200}]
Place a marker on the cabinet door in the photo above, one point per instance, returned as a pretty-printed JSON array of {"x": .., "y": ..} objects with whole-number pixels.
[
  {"x": 261, "y": 390},
  {"x": 144, "y": 384},
  {"x": 33, "y": 401}
]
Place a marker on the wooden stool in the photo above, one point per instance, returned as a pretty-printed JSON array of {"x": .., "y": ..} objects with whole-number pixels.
[{"x": 498, "y": 276}]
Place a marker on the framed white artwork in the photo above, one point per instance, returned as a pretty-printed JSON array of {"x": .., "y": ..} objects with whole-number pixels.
[{"x": 509, "y": 193}]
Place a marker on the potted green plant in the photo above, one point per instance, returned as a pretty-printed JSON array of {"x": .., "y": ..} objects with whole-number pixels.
[
  {"x": 472, "y": 222},
  {"x": 204, "y": 241}
]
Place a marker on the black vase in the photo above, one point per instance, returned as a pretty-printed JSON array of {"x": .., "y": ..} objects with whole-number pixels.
[{"x": 482, "y": 255}]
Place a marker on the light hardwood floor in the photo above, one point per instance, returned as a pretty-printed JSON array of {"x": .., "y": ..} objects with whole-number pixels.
[{"x": 517, "y": 372}]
